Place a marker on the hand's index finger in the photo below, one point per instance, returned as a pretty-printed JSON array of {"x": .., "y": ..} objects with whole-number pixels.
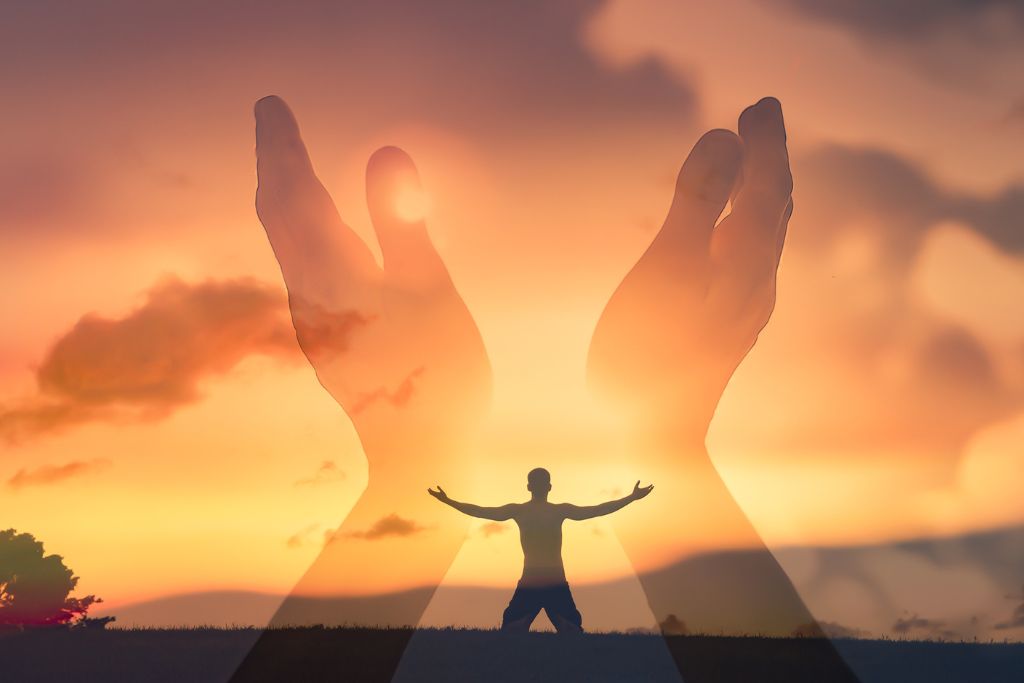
[
  {"x": 277, "y": 137},
  {"x": 767, "y": 181},
  {"x": 746, "y": 243},
  {"x": 317, "y": 252}
]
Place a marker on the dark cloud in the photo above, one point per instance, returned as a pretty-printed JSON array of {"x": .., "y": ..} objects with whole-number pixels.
[
  {"x": 492, "y": 528},
  {"x": 152, "y": 361},
  {"x": 828, "y": 629},
  {"x": 973, "y": 45},
  {"x": 673, "y": 626},
  {"x": 914, "y": 625},
  {"x": 52, "y": 474},
  {"x": 840, "y": 185},
  {"x": 953, "y": 360},
  {"x": 392, "y": 525},
  {"x": 951, "y": 365},
  {"x": 1016, "y": 619},
  {"x": 887, "y": 20},
  {"x": 949, "y": 388},
  {"x": 457, "y": 61},
  {"x": 327, "y": 473}
]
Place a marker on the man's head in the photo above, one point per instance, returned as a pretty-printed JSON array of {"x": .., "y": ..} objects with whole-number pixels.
[{"x": 538, "y": 481}]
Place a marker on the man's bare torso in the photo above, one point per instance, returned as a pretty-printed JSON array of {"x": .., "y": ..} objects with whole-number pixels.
[{"x": 540, "y": 533}]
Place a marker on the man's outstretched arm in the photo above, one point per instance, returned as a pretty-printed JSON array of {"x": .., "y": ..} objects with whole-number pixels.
[
  {"x": 498, "y": 514},
  {"x": 578, "y": 512}
]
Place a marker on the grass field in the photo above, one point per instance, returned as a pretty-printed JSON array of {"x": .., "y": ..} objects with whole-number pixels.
[{"x": 342, "y": 654}]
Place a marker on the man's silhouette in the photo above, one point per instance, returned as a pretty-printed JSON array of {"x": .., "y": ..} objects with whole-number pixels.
[{"x": 543, "y": 584}]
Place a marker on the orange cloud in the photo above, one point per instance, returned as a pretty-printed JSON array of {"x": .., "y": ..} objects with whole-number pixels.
[
  {"x": 391, "y": 525},
  {"x": 52, "y": 474},
  {"x": 327, "y": 472},
  {"x": 492, "y": 528},
  {"x": 298, "y": 539},
  {"x": 397, "y": 398},
  {"x": 152, "y": 361}
]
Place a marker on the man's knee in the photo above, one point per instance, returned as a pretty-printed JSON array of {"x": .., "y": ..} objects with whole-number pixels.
[
  {"x": 520, "y": 625},
  {"x": 568, "y": 623}
]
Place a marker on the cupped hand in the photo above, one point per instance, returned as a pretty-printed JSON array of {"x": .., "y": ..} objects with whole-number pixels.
[
  {"x": 691, "y": 308},
  {"x": 395, "y": 346}
]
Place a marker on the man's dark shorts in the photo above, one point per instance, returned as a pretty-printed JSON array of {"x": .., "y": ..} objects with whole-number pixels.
[{"x": 528, "y": 601}]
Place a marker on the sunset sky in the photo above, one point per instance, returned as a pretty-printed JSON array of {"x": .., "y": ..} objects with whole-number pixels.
[{"x": 161, "y": 430}]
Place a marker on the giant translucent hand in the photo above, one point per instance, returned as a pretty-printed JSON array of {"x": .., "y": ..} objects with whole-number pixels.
[
  {"x": 691, "y": 308},
  {"x": 664, "y": 349},
  {"x": 399, "y": 352},
  {"x": 395, "y": 346}
]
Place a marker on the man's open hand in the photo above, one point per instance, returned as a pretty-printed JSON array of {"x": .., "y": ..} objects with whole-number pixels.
[
  {"x": 439, "y": 494},
  {"x": 641, "y": 491}
]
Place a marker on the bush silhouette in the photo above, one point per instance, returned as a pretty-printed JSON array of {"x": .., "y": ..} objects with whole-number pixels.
[{"x": 35, "y": 588}]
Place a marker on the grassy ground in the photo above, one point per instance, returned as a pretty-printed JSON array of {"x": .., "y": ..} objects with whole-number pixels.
[{"x": 337, "y": 654}]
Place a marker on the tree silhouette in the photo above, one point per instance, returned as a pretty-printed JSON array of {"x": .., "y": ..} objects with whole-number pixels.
[{"x": 35, "y": 588}]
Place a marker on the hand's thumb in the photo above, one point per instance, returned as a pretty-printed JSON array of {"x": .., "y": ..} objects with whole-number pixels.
[{"x": 396, "y": 203}]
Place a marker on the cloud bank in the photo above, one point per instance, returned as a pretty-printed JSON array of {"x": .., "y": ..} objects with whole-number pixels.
[
  {"x": 386, "y": 527},
  {"x": 152, "y": 361},
  {"x": 53, "y": 474}
]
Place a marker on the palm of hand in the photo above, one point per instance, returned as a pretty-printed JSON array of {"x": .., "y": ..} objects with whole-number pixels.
[
  {"x": 395, "y": 346},
  {"x": 691, "y": 308},
  {"x": 641, "y": 491}
]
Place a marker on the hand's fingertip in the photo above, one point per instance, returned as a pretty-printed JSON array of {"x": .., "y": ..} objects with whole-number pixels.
[
  {"x": 275, "y": 121},
  {"x": 392, "y": 180},
  {"x": 723, "y": 147},
  {"x": 391, "y": 161},
  {"x": 712, "y": 167},
  {"x": 720, "y": 136},
  {"x": 267, "y": 103},
  {"x": 743, "y": 124},
  {"x": 272, "y": 109},
  {"x": 762, "y": 118}
]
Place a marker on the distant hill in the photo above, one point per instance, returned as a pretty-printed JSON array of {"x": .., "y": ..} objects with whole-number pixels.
[
  {"x": 954, "y": 587},
  {"x": 213, "y": 608}
]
